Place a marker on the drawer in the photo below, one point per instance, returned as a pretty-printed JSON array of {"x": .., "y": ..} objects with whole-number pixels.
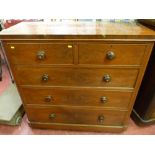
[
  {"x": 111, "y": 54},
  {"x": 76, "y": 115},
  {"x": 40, "y": 53},
  {"x": 56, "y": 76},
  {"x": 76, "y": 97}
]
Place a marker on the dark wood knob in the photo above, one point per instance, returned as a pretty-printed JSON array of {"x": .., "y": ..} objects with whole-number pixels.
[
  {"x": 41, "y": 55},
  {"x": 101, "y": 119},
  {"x": 48, "y": 98},
  {"x": 110, "y": 55},
  {"x": 107, "y": 78},
  {"x": 104, "y": 99},
  {"x": 52, "y": 115},
  {"x": 45, "y": 77}
]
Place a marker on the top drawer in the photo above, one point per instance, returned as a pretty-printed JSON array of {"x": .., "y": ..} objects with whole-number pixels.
[
  {"x": 111, "y": 54},
  {"x": 40, "y": 53}
]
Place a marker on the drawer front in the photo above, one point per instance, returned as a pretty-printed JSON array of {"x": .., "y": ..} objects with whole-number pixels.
[
  {"x": 111, "y": 54},
  {"x": 40, "y": 53},
  {"x": 76, "y": 77},
  {"x": 76, "y": 116},
  {"x": 76, "y": 97}
]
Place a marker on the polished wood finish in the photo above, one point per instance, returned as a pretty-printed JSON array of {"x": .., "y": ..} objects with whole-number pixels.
[
  {"x": 75, "y": 76},
  {"x": 81, "y": 127},
  {"x": 27, "y": 53},
  {"x": 79, "y": 75},
  {"x": 125, "y": 54},
  {"x": 78, "y": 30},
  {"x": 76, "y": 115},
  {"x": 75, "y": 96}
]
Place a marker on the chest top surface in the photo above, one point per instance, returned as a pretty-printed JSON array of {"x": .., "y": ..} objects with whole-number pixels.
[{"x": 78, "y": 30}]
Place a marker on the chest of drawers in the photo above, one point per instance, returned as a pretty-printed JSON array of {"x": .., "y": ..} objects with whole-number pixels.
[{"x": 78, "y": 81}]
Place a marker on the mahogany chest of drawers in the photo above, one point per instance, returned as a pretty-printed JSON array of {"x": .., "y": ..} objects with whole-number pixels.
[{"x": 79, "y": 76}]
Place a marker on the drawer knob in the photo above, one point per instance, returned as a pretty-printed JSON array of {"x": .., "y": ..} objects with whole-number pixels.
[
  {"x": 104, "y": 99},
  {"x": 101, "y": 119},
  {"x": 110, "y": 55},
  {"x": 45, "y": 77},
  {"x": 107, "y": 78},
  {"x": 48, "y": 98},
  {"x": 41, "y": 55},
  {"x": 52, "y": 116}
]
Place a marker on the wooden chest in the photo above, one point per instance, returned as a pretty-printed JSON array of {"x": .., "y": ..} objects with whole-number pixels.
[{"x": 78, "y": 76}]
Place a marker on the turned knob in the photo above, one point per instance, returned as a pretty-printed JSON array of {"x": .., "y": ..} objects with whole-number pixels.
[
  {"x": 103, "y": 99},
  {"x": 45, "y": 77},
  {"x": 52, "y": 116},
  {"x": 110, "y": 55},
  {"x": 101, "y": 119},
  {"x": 41, "y": 55},
  {"x": 48, "y": 98},
  {"x": 107, "y": 78}
]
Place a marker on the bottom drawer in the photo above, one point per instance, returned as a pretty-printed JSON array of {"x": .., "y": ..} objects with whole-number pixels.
[{"x": 74, "y": 115}]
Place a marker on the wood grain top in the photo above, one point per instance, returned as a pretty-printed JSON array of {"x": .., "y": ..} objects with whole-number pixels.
[{"x": 78, "y": 30}]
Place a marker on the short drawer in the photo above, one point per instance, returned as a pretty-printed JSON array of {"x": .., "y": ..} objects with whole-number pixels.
[
  {"x": 76, "y": 76},
  {"x": 76, "y": 97},
  {"x": 40, "y": 53},
  {"x": 111, "y": 54},
  {"x": 76, "y": 115}
]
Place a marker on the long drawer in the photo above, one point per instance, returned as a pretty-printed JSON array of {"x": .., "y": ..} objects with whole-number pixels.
[
  {"x": 76, "y": 97},
  {"x": 111, "y": 54},
  {"x": 40, "y": 53},
  {"x": 56, "y": 76},
  {"x": 76, "y": 115}
]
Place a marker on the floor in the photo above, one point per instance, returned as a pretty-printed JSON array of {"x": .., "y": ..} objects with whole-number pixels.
[{"x": 24, "y": 128}]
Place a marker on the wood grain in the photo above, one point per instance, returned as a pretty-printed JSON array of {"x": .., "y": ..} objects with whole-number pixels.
[
  {"x": 78, "y": 127},
  {"x": 76, "y": 97},
  {"x": 74, "y": 115},
  {"x": 75, "y": 76},
  {"x": 125, "y": 54},
  {"x": 78, "y": 30},
  {"x": 26, "y": 53}
]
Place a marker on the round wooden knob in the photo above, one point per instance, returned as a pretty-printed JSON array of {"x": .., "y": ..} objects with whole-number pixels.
[
  {"x": 48, "y": 98},
  {"x": 52, "y": 116},
  {"x": 45, "y": 77},
  {"x": 101, "y": 119},
  {"x": 41, "y": 55},
  {"x": 103, "y": 99},
  {"x": 107, "y": 78},
  {"x": 110, "y": 55}
]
